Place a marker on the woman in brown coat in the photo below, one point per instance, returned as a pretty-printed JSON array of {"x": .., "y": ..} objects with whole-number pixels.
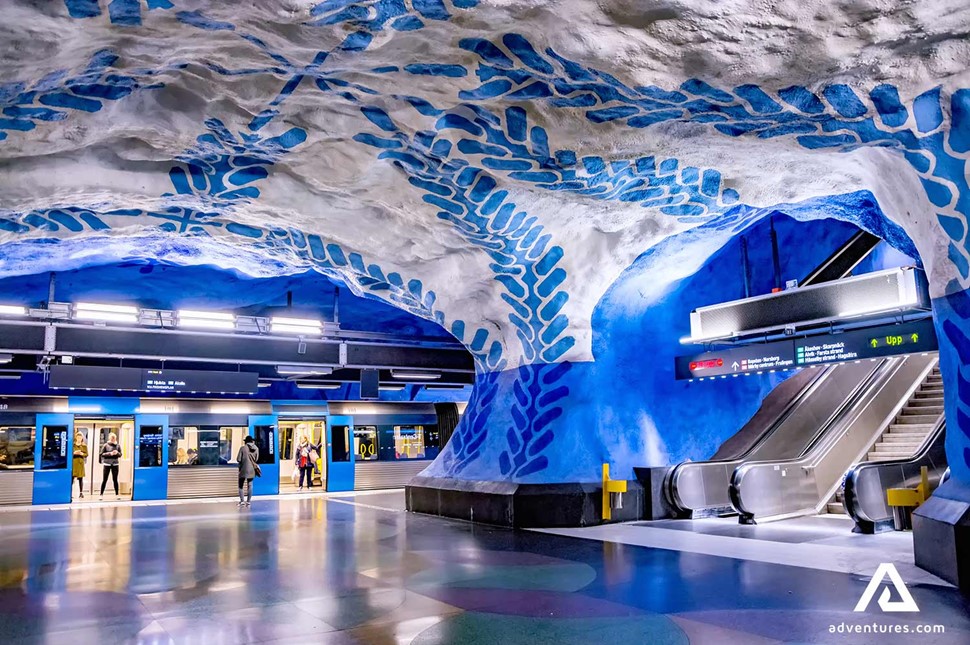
[{"x": 80, "y": 457}]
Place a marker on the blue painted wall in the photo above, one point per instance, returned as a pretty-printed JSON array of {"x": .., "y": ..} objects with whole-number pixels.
[{"x": 563, "y": 421}]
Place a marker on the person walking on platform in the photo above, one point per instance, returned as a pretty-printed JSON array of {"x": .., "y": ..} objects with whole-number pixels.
[
  {"x": 110, "y": 455},
  {"x": 306, "y": 456},
  {"x": 77, "y": 465},
  {"x": 248, "y": 469}
]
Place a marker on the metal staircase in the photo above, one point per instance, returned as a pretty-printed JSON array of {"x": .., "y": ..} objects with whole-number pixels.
[{"x": 908, "y": 431}]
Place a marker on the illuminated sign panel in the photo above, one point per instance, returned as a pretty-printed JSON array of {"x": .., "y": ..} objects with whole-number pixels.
[
  {"x": 877, "y": 342},
  {"x": 154, "y": 381}
]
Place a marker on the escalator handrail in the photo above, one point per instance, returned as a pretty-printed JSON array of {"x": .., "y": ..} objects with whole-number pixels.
[{"x": 850, "y": 500}]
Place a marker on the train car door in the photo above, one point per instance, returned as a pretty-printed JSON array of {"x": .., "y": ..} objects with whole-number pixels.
[
  {"x": 150, "y": 480},
  {"x": 53, "y": 454},
  {"x": 340, "y": 453},
  {"x": 262, "y": 428}
]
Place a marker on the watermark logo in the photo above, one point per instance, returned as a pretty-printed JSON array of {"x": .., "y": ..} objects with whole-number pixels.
[{"x": 906, "y": 602}]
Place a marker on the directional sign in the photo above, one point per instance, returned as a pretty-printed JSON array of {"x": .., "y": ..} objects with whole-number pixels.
[{"x": 875, "y": 342}]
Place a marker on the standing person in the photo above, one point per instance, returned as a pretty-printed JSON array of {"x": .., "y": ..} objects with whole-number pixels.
[
  {"x": 247, "y": 457},
  {"x": 77, "y": 466},
  {"x": 110, "y": 454},
  {"x": 304, "y": 460}
]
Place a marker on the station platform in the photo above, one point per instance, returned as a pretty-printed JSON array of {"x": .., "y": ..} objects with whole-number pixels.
[{"x": 356, "y": 568}]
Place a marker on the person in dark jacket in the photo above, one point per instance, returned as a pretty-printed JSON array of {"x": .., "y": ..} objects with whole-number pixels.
[
  {"x": 247, "y": 457},
  {"x": 110, "y": 455}
]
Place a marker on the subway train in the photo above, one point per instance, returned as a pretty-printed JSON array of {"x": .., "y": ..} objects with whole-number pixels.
[{"x": 186, "y": 448}]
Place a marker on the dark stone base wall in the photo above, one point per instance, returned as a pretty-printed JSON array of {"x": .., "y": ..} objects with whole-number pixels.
[
  {"x": 941, "y": 534},
  {"x": 519, "y": 505}
]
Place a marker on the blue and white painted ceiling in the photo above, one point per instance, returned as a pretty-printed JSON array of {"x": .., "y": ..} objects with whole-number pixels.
[{"x": 495, "y": 166}]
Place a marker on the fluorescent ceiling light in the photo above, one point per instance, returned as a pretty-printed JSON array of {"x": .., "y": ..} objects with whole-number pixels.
[
  {"x": 421, "y": 376},
  {"x": 5, "y": 358},
  {"x": 442, "y": 388},
  {"x": 13, "y": 310},
  {"x": 303, "y": 369},
  {"x": 12, "y": 377},
  {"x": 206, "y": 319},
  {"x": 113, "y": 313},
  {"x": 392, "y": 388},
  {"x": 303, "y": 326},
  {"x": 318, "y": 386}
]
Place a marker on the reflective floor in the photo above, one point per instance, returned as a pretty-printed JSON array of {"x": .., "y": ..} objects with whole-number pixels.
[{"x": 360, "y": 570}]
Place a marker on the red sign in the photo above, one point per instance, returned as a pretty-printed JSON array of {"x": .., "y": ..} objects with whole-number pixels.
[{"x": 711, "y": 363}]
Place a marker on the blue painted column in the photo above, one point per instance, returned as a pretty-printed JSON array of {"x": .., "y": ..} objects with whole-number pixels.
[{"x": 940, "y": 526}]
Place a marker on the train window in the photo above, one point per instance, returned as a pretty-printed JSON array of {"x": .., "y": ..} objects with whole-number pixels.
[
  {"x": 340, "y": 444},
  {"x": 365, "y": 443},
  {"x": 266, "y": 443},
  {"x": 149, "y": 446},
  {"x": 53, "y": 454},
  {"x": 16, "y": 447},
  {"x": 204, "y": 445},
  {"x": 409, "y": 442}
]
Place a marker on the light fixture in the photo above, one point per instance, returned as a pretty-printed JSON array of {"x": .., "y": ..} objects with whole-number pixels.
[
  {"x": 112, "y": 313},
  {"x": 5, "y": 358},
  {"x": 302, "y": 326},
  {"x": 418, "y": 376},
  {"x": 304, "y": 369},
  {"x": 67, "y": 360},
  {"x": 867, "y": 312},
  {"x": 443, "y": 388},
  {"x": 13, "y": 310},
  {"x": 12, "y": 377},
  {"x": 318, "y": 386},
  {"x": 205, "y": 319},
  {"x": 392, "y": 388}
]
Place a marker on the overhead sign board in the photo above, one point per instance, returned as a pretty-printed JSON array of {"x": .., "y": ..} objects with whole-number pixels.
[
  {"x": 154, "y": 381},
  {"x": 874, "y": 342}
]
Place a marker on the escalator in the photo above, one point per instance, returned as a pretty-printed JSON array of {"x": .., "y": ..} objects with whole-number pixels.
[
  {"x": 783, "y": 488},
  {"x": 702, "y": 488},
  {"x": 789, "y": 419}
]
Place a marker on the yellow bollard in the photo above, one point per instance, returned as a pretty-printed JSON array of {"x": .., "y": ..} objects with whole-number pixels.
[{"x": 610, "y": 486}]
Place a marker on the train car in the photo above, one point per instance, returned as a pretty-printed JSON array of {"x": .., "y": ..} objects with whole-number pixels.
[{"x": 186, "y": 448}]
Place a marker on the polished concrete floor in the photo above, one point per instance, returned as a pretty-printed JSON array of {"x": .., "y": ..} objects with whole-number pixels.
[{"x": 357, "y": 569}]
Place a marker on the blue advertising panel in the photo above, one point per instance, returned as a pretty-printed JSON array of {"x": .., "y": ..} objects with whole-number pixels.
[
  {"x": 263, "y": 428},
  {"x": 53, "y": 457},
  {"x": 151, "y": 457},
  {"x": 340, "y": 453}
]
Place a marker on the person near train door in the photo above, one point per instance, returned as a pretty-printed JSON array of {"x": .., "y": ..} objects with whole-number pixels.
[
  {"x": 248, "y": 469},
  {"x": 110, "y": 455},
  {"x": 305, "y": 461},
  {"x": 77, "y": 464}
]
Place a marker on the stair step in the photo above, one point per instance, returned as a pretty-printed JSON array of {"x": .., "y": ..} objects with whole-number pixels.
[
  {"x": 887, "y": 456},
  {"x": 911, "y": 428},
  {"x": 929, "y": 391},
  {"x": 902, "y": 437},
  {"x": 835, "y": 508},
  {"x": 917, "y": 419},
  {"x": 926, "y": 403},
  {"x": 896, "y": 447}
]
